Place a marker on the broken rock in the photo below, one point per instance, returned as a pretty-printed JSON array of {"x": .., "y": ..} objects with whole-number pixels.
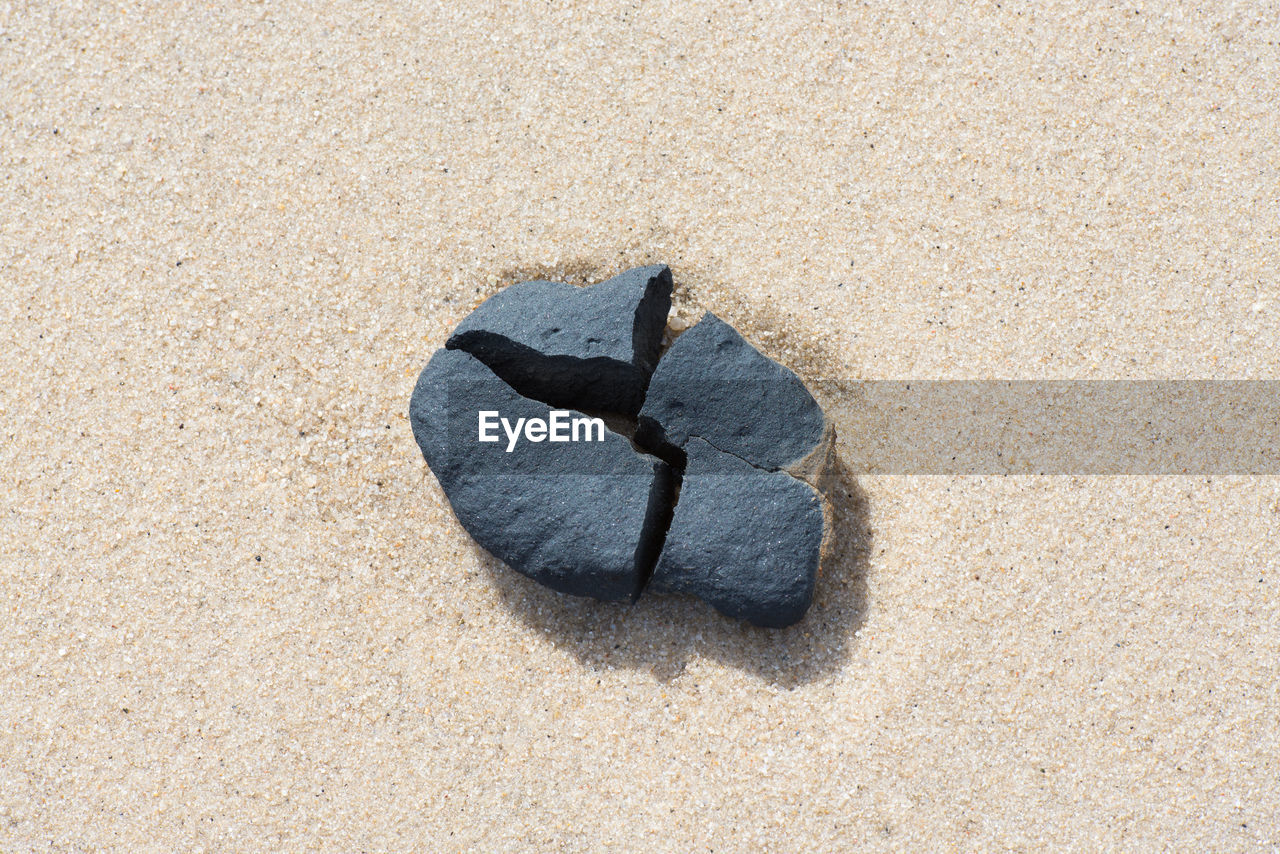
[
  {"x": 588, "y": 348},
  {"x": 578, "y": 517},
  {"x": 728, "y": 517},
  {"x": 713, "y": 385},
  {"x": 745, "y": 540}
]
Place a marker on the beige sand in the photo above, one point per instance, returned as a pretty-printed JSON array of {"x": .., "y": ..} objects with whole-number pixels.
[{"x": 238, "y": 614}]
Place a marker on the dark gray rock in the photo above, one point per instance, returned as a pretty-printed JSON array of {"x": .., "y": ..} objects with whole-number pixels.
[
  {"x": 600, "y": 518},
  {"x": 580, "y": 517},
  {"x": 712, "y": 384},
  {"x": 584, "y": 348},
  {"x": 745, "y": 540}
]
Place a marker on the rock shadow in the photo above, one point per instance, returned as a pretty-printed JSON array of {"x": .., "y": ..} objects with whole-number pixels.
[{"x": 660, "y": 633}]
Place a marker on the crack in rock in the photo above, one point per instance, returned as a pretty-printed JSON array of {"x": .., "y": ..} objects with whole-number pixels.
[
  {"x": 574, "y": 516},
  {"x": 707, "y": 481}
]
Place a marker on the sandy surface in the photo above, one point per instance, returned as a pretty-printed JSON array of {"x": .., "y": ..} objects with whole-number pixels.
[{"x": 237, "y": 614}]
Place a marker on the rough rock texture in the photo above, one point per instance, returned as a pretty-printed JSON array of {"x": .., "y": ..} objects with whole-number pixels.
[
  {"x": 712, "y": 384},
  {"x": 587, "y": 348},
  {"x": 579, "y": 517},
  {"x": 750, "y": 529},
  {"x": 740, "y": 435},
  {"x": 744, "y": 540}
]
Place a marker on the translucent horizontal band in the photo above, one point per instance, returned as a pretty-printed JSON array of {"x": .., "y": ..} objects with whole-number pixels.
[{"x": 1089, "y": 427}]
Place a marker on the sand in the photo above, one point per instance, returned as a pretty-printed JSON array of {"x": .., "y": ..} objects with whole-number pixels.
[{"x": 238, "y": 614}]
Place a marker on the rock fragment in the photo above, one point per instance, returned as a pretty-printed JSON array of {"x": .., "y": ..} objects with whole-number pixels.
[
  {"x": 714, "y": 385},
  {"x": 745, "y": 540},
  {"x": 588, "y": 348},
  {"x": 580, "y": 517}
]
